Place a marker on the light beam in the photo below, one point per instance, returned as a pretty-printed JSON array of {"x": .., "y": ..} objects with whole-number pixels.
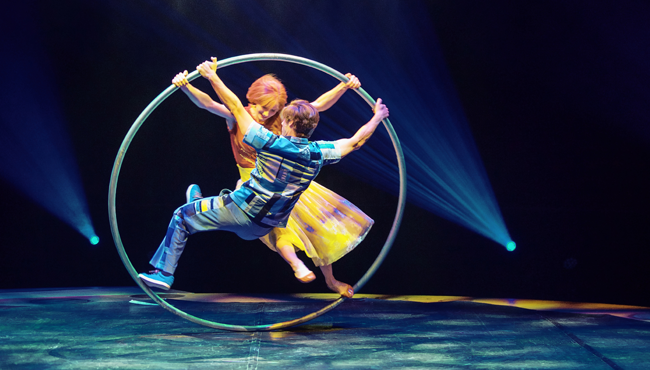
[{"x": 35, "y": 151}]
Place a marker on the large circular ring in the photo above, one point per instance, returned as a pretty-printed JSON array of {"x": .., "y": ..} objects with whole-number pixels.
[{"x": 166, "y": 93}]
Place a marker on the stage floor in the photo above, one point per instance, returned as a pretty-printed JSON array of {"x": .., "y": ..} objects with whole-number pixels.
[{"x": 118, "y": 328}]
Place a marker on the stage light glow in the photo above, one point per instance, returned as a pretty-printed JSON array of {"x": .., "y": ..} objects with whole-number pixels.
[
  {"x": 445, "y": 171},
  {"x": 94, "y": 240},
  {"x": 35, "y": 150},
  {"x": 511, "y": 246}
]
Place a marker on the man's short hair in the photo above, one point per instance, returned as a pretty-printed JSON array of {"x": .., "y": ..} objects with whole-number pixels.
[{"x": 301, "y": 116}]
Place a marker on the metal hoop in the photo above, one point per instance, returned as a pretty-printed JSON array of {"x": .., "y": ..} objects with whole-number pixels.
[{"x": 166, "y": 93}]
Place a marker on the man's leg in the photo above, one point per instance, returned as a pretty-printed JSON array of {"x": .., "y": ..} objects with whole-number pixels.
[
  {"x": 207, "y": 214},
  {"x": 165, "y": 260},
  {"x": 172, "y": 246}
]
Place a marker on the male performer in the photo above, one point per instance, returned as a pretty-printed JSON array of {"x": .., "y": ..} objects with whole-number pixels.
[{"x": 284, "y": 168}]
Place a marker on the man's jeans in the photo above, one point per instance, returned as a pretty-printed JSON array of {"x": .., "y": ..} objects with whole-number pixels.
[{"x": 207, "y": 214}]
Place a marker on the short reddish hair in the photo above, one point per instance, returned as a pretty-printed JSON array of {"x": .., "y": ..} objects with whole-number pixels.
[
  {"x": 268, "y": 92},
  {"x": 302, "y": 116}
]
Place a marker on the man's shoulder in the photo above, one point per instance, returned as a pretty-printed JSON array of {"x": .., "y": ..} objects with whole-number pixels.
[
  {"x": 257, "y": 136},
  {"x": 254, "y": 126},
  {"x": 323, "y": 144},
  {"x": 328, "y": 149}
]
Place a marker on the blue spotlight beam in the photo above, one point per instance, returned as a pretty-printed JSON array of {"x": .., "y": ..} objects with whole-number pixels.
[
  {"x": 159, "y": 99},
  {"x": 36, "y": 154},
  {"x": 446, "y": 174}
]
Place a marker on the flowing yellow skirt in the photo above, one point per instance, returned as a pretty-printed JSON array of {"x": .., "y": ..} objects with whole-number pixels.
[{"x": 323, "y": 224}]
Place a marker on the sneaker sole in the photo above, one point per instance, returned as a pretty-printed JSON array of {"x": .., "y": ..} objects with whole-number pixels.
[
  {"x": 187, "y": 194},
  {"x": 154, "y": 283}
]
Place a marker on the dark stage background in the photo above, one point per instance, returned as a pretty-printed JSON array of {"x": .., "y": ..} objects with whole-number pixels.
[{"x": 556, "y": 94}]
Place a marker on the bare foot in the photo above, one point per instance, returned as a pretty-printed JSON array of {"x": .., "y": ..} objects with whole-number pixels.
[
  {"x": 306, "y": 278},
  {"x": 341, "y": 288},
  {"x": 303, "y": 274}
]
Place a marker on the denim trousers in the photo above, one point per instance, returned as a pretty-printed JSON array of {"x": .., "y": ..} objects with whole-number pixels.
[{"x": 206, "y": 214}]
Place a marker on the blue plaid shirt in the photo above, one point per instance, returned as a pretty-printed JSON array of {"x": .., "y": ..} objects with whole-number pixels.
[{"x": 284, "y": 168}]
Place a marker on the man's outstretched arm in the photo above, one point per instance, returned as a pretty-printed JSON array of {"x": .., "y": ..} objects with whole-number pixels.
[
  {"x": 362, "y": 135},
  {"x": 229, "y": 99}
]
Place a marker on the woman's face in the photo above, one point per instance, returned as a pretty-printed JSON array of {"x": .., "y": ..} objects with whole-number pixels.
[{"x": 261, "y": 113}]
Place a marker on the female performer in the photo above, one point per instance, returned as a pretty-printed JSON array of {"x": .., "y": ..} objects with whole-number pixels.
[{"x": 323, "y": 224}]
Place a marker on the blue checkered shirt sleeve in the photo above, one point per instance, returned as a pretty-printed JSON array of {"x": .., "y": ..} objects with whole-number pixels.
[
  {"x": 257, "y": 136},
  {"x": 331, "y": 153}
]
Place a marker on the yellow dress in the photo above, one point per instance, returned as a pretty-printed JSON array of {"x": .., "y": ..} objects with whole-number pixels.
[{"x": 323, "y": 224}]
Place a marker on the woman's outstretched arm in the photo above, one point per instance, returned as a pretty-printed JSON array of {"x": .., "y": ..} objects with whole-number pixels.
[{"x": 203, "y": 100}]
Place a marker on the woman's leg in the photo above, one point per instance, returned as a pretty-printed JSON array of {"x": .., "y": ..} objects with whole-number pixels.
[
  {"x": 287, "y": 252},
  {"x": 335, "y": 285}
]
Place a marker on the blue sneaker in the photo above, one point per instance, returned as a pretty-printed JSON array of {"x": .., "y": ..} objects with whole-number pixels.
[
  {"x": 156, "y": 279},
  {"x": 193, "y": 193}
]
